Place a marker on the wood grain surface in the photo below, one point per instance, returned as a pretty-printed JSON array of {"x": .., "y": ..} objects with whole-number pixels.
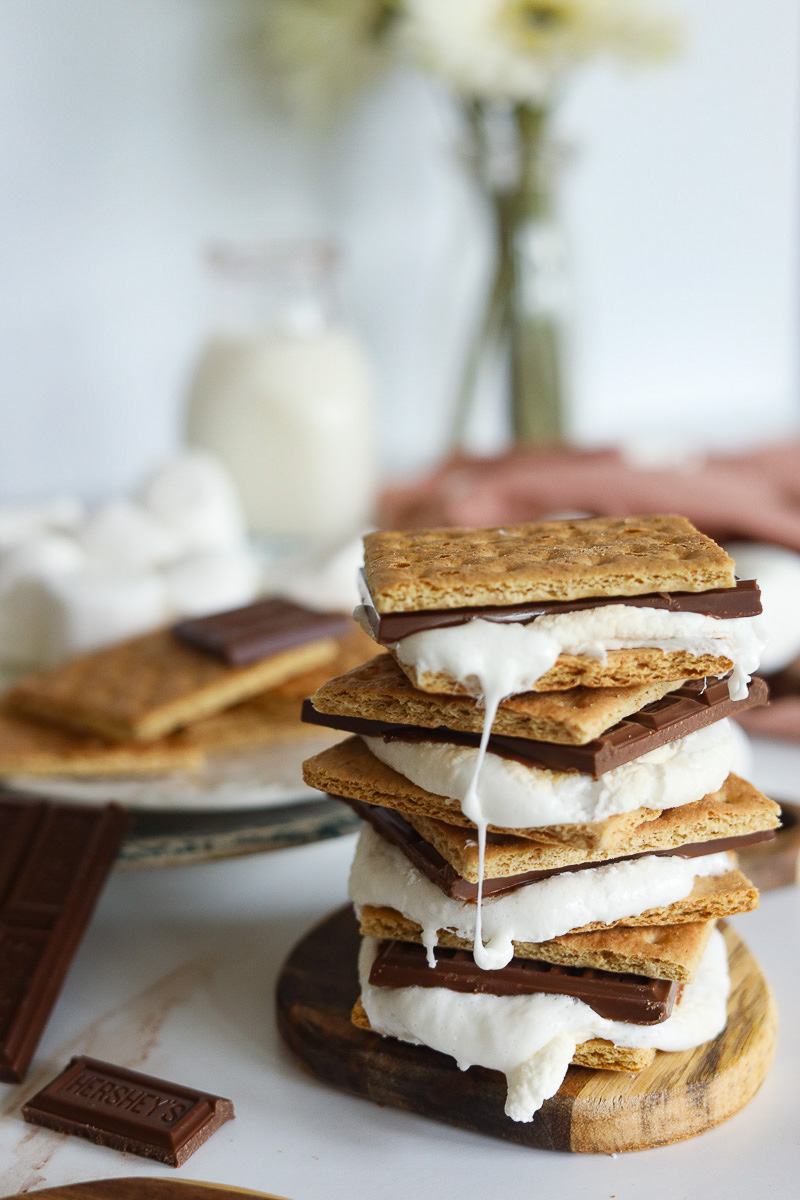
[
  {"x": 679, "y": 1096},
  {"x": 143, "y": 1188}
]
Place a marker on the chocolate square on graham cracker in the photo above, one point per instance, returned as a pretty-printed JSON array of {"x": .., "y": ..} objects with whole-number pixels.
[
  {"x": 657, "y": 951},
  {"x": 380, "y": 690},
  {"x": 144, "y": 688}
]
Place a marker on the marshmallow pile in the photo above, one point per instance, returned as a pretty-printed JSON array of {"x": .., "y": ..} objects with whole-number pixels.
[{"x": 72, "y": 580}]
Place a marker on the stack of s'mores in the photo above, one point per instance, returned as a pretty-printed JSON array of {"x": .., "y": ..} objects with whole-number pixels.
[{"x": 543, "y": 763}]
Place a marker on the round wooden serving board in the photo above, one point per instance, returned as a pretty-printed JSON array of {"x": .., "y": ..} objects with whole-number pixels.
[{"x": 680, "y": 1095}]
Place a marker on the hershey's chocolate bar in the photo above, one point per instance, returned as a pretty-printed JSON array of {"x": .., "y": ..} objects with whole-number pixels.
[
  {"x": 632, "y": 998},
  {"x": 54, "y": 859},
  {"x": 128, "y": 1111},
  {"x": 391, "y": 825},
  {"x": 246, "y": 635},
  {"x": 698, "y": 703},
  {"x": 744, "y": 600}
]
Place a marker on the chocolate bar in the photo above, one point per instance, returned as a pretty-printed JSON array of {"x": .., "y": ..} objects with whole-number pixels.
[
  {"x": 246, "y": 635},
  {"x": 613, "y": 995},
  {"x": 54, "y": 859},
  {"x": 698, "y": 703},
  {"x": 128, "y": 1111},
  {"x": 744, "y": 600},
  {"x": 391, "y": 825}
]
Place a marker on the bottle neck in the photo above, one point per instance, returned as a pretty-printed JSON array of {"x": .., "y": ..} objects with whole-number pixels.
[{"x": 286, "y": 290}]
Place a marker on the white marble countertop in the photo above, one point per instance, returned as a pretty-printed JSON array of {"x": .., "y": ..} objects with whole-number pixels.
[{"x": 176, "y": 977}]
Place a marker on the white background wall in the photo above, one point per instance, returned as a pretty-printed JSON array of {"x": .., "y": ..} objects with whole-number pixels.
[{"x": 133, "y": 130}]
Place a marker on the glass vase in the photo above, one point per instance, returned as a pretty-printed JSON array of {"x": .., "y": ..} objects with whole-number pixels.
[{"x": 526, "y": 311}]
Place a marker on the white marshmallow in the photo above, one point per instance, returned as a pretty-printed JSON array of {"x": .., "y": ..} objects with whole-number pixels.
[
  {"x": 196, "y": 497},
  {"x": 123, "y": 534},
  {"x": 207, "y": 583},
  {"x": 778, "y": 574},
  {"x": 23, "y": 609},
  {"x": 18, "y": 522},
  {"x": 329, "y": 583},
  {"x": 39, "y": 557},
  {"x": 93, "y": 607}
]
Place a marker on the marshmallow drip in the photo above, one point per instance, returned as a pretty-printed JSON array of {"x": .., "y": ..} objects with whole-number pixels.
[{"x": 382, "y": 875}]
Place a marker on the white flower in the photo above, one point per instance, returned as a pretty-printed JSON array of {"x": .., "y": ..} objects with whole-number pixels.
[
  {"x": 325, "y": 50},
  {"x": 520, "y": 50}
]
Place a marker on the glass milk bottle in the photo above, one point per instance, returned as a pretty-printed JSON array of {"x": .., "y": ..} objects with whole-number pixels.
[{"x": 282, "y": 394}]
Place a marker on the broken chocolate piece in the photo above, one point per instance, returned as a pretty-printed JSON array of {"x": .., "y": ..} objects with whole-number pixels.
[
  {"x": 54, "y": 860},
  {"x": 128, "y": 1111},
  {"x": 427, "y": 859},
  {"x": 613, "y": 995},
  {"x": 698, "y": 703},
  {"x": 246, "y": 635},
  {"x": 744, "y": 600}
]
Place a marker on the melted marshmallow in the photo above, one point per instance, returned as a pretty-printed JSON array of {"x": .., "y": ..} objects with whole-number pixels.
[
  {"x": 515, "y": 656},
  {"x": 531, "y": 1039},
  {"x": 516, "y": 796},
  {"x": 382, "y": 875},
  {"x": 494, "y": 660}
]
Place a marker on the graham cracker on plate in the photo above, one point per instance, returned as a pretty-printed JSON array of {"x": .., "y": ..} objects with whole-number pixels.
[
  {"x": 737, "y": 808},
  {"x": 274, "y": 715},
  {"x": 596, "y": 1053},
  {"x": 379, "y": 690},
  {"x": 619, "y": 669},
  {"x": 657, "y": 951},
  {"x": 712, "y": 897},
  {"x": 545, "y": 560},
  {"x": 29, "y": 747},
  {"x": 141, "y": 689}
]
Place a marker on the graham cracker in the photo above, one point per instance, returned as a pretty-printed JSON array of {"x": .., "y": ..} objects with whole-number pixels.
[
  {"x": 597, "y": 1052},
  {"x": 379, "y": 690},
  {"x": 141, "y": 689},
  {"x": 351, "y": 651},
  {"x": 737, "y": 808},
  {"x": 29, "y": 747},
  {"x": 620, "y": 669},
  {"x": 350, "y": 769},
  {"x": 712, "y": 897},
  {"x": 545, "y": 560},
  {"x": 274, "y": 716},
  {"x": 657, "y": 951},
  {"x": 257, "y": 722}
]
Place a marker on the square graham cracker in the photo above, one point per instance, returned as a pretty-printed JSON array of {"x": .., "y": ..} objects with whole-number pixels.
[
  {"x": 597, "y": 1052},
  {"x": 141, "y": 689},
  {"x": 29, "y": 747},
  {"x": 409, "y": 571},
  {"x": 656, "y": 951},
  {"x": 736, "y": 809},
  {"x": 630, "y": 668},
  {"x": 350, "y": 769},
  {"x": 379, "y": 690}
]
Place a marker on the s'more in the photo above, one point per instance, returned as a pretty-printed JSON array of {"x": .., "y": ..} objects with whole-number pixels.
[{"x": 545, "y": 767}]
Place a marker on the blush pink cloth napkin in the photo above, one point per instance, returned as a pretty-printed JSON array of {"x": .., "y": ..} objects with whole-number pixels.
[
  {"x": 753, "y": 497},
  {"x": 745, "y": 497}
]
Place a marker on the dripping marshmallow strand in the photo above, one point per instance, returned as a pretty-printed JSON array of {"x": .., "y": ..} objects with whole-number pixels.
[{"x": 381, "y": 875}]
